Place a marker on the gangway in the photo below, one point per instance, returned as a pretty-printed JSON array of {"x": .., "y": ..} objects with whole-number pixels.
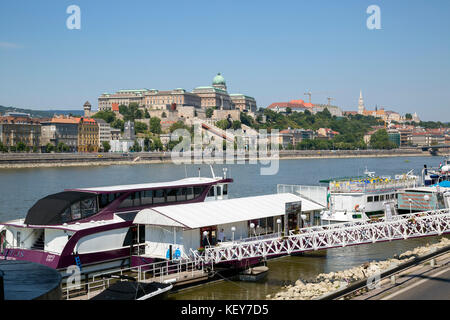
[{"x": 402, "y": 227}]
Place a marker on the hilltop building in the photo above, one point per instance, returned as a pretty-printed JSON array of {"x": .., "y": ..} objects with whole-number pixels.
[
  {"x": 383, "y": 114},
  {"x": 201, "y": 98},
  {"x": 301, "y": 106}
]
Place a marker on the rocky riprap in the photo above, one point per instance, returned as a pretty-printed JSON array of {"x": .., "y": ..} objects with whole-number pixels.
[{"x": 326, "y": 283}]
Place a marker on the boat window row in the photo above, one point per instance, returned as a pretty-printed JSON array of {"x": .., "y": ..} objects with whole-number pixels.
[
  {"x": 382, "y": 197},
  {"x": 149, "y": 197}
]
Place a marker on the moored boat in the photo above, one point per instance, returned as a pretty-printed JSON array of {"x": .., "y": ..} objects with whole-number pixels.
[{"x": 93, "y": 227}]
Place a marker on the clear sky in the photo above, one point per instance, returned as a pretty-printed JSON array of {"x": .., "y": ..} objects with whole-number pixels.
[{"x": 272, "y": 50}]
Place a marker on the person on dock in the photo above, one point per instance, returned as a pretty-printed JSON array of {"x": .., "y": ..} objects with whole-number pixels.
[{"x": 221, "y": 237}]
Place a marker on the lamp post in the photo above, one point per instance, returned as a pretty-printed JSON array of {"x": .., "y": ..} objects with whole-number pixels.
[
  {"x": 410, "y": 201},
  {"x": 427, "y": 199},
  {"x": 279, "y": 223},
  {"x": 252, "y": 227},
  {"x": 233, "y": 229}
]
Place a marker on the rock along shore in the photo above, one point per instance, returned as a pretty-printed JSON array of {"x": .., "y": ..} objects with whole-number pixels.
[{"x": 326, "y": 283}]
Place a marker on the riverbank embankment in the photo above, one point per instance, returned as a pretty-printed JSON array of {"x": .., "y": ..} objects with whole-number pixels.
[
  {"x": 326, "y": 283},
  {"x": 42, "y": 160}
]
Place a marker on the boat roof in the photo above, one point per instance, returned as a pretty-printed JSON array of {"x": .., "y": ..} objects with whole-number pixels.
[
  {"x": 210, "y": 213},
  {"x": 428, "y": 189},
  {"x": 176, "y": 183}
]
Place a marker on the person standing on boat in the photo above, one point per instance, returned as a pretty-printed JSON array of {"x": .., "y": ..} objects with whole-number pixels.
[{"x": 221, "y": 237}]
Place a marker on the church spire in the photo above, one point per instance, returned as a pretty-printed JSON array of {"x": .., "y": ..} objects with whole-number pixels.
[{"x": 361, "y": 103}]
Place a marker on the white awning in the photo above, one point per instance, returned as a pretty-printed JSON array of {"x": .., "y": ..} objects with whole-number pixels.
[{"x": 210, "y": 213}]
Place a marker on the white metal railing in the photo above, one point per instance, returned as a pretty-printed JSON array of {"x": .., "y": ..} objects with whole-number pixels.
[
  {"x": 329, "y": 236},
  {"x": 347, "y": 186},
  {"x": 159, "y": 272}
]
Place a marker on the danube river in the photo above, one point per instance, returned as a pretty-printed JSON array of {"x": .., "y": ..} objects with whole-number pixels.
[{"x": 21, "y": 188}]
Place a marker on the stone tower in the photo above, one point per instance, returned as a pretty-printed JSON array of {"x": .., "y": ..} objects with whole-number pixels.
[{"x": 87, "y": 109}]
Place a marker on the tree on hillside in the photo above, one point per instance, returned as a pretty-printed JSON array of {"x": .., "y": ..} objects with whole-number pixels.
[
  {"x": 155, "y": 125},
  {"x": 108, "y": 116},
  {"x": 209, "y": 112},
  {"x": 140, "y": 127}
]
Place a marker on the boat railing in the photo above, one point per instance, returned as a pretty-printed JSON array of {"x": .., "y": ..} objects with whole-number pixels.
[
  {"x": 164, "y": 271},
  {"x": 341, "y": 187}
]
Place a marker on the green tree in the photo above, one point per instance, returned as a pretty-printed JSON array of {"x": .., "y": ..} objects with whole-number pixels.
[
  {"x": 136, "y": 147},
  {"x": 106, "y": 146},
  {"x": 236, "y": 124},
  {"x": 118, "y": 124},
  {"x": 380, "y": 140},
  {"x": 108, "y": 116},
  {"x": 155, "y": 125},
  {"x": 140, "y": 127},
  {"x": 223, "y": 124},
  {"x": 209, "y": 112},
  {"x": 21, "y": 147},
  {"x": 408, "y": 116},
  {"x": 178, "y": 125},
  {"x": 163, "y": 115},
  {"x": 49, "y": 148},
  {"x": 147, "y": 114},
  {"x": 62, "y": 147},
  {"x": 156, "y": 144}
]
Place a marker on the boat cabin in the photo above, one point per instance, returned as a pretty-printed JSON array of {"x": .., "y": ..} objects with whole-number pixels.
[{"x": 176, "y": 231}]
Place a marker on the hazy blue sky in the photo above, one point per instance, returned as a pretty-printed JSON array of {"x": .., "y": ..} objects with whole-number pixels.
[{"x": 272, "y": 50}]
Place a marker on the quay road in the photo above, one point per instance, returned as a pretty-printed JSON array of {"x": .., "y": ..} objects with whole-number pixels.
[
  {"x": 61, "y": 158},
  {"x": 421, "y": 282}
]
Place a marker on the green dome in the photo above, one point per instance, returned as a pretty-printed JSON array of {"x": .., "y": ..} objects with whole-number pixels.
[{"x": 219, "y": 79}]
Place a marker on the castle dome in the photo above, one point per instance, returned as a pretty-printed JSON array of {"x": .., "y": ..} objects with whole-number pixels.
[{"x": 219, "y": 80}]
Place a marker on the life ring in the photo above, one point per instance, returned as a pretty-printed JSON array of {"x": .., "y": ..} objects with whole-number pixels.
[{"x": 357, "y": 207}]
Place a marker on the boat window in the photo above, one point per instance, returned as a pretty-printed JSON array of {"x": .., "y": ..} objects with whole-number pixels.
[
  {"x": 189, "y": 193},
  {"x": 18, "y": 238},
  {"x": 376, "y": 198},
  {"x": 75, "y": 209},
  {"x": 107, "y": 198},
  {"x": 88, "y": 207},
  {"x": 181, "y": 194},
  {"x": 219, "y": 190},
  {"x": 211, "y": 192},
  {"x": 370, "y": 199},
  {"x": 382, "y": 197},
  {"x": 147, "y": 197},
  {"x": 225, "y": 189},
  {"x": 66, "y": 216},
  {"x": 198, "y": 191},
  {"x": 171, "y": 195},
  {"x": 158, "y": 196}
]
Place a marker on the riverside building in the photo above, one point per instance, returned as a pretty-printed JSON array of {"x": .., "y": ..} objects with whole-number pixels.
[
  {"x": 60, "y": 130},
  {"x": 21, "y": 128}
]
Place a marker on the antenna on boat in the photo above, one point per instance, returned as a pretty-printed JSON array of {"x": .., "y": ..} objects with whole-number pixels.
[
  {"x": 212, "y": 171},
  {"x": 199, "y": 172}
]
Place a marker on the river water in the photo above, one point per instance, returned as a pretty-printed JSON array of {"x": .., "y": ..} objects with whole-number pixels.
[{"x": 21, "y": 188}]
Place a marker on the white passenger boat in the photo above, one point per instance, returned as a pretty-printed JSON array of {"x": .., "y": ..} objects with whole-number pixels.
[{"x": 359, "y": 198}]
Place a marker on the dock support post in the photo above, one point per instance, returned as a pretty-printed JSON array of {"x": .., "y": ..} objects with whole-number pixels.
[
  {"x": 393, "y": 279},
  {"x": 433, "y": 263}
]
